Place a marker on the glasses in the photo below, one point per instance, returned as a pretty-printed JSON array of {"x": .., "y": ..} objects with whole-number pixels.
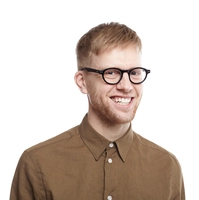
[{"x": 113, "y": 76}]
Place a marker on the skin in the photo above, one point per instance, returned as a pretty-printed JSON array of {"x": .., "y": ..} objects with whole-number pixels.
[{"x": 108, "y": 117}]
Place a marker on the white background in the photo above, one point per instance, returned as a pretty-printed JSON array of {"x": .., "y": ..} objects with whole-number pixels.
[{"x": 38, "y": 96}]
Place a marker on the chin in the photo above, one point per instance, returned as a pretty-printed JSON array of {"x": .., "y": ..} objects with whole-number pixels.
[{"x": 123, "y": 119}]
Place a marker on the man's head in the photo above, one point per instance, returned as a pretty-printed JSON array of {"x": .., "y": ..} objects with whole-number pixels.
[{"x": 113, "y": 94}]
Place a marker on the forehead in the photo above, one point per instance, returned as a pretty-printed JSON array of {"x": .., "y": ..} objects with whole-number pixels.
[{"x": 124, "y": 58}]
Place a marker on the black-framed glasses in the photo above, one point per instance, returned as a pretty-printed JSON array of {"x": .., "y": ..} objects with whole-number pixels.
[{"x": 113, "y": 76}]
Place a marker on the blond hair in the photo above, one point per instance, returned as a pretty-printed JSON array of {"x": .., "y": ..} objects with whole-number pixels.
[{"x": 104, "y": 37}]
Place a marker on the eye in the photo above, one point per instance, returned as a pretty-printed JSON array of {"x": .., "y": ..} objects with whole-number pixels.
[
  {"x": 112, "y": 72},
  {"x": 136, "y": 72}
]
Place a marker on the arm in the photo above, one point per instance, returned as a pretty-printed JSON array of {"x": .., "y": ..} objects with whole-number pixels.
[
  {"x": 27, "y": 182},
  {"x": 178, "y": 182}
]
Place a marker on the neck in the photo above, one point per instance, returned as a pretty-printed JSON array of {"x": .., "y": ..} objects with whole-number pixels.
[{"x": 110, "y": 132}]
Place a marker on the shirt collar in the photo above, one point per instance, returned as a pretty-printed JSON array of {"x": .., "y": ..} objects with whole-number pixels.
[
  {"x": 97, "y": 144},
  {"x": 124, "y": 143}
]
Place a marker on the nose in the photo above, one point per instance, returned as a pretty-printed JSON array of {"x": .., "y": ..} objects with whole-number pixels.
[{"x": 125, "y": 84}]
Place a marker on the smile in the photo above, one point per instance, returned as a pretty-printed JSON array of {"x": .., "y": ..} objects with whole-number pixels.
[{"x": 122, "y": 101}]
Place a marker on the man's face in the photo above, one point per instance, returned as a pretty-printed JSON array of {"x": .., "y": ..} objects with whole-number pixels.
[{"x": 113, "y": 104}]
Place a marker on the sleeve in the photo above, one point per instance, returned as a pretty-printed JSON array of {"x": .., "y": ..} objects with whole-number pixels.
[
  {"x": 27, "y": 181},
  {"x": 178, "y": 182}
]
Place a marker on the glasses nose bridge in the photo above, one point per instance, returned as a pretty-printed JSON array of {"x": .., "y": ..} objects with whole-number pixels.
[{"x": 125, "y": 71}]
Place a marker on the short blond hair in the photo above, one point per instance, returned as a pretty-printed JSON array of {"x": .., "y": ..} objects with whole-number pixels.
[{"x": 104, "y": 37}]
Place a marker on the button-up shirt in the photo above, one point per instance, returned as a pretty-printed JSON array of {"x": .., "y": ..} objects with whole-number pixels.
[{"x": 80, "y": 164}]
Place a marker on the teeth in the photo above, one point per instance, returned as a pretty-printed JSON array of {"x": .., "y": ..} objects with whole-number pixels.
[{"x": 122, "y": 100}]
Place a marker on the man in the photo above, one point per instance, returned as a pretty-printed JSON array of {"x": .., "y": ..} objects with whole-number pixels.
[{"x": 102, "y": 158}]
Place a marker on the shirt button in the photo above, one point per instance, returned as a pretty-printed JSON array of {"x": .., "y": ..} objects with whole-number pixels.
[
  {"x": 109, "y": 198},
  {"x": 110, "y": 160},
  {"x": 111, "y": 145}
]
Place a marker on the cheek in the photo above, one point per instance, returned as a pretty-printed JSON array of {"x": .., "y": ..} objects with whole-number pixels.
[
  {"x": 98, "y": 94},
  {"x": 139, "y": 90},
  {"x": 92, "y": 92}
]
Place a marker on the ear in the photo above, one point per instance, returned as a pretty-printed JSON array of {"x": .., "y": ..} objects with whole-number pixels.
[{"x": 80, "y": 81}]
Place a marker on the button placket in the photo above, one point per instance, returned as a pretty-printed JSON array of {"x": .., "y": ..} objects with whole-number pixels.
[
  {"x": 110, "y": 174},
  {"x": 111, "y": 145}
]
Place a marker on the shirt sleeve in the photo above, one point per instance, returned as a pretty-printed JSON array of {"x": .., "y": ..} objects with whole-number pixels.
[
  {"x": 27, "y": 181},
  {"x": 178, "y": 182}
]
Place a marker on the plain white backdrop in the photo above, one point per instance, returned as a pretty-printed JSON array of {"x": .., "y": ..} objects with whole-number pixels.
[{"x": 38, "y": 95}]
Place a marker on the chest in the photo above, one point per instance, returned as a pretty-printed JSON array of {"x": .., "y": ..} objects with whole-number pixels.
[{"x": 77, "y": 175}]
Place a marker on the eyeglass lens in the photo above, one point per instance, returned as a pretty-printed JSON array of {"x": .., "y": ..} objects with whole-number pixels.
[{"x": 136, "y": 75}]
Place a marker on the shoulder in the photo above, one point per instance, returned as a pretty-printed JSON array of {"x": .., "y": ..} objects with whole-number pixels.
[
  {"x": 160, "y": 162},
  {"x": 153, "y": 149},
  {"x": 145, "y": 143},
  {"x": 54, "y": 142},
  {"x": 48, "y": 153}
]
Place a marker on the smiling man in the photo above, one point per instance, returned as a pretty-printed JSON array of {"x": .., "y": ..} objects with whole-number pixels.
[{"x": 102, "y": 158}]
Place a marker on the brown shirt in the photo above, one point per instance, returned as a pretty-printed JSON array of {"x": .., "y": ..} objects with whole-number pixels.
[{"x": 80, "y": 164}]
